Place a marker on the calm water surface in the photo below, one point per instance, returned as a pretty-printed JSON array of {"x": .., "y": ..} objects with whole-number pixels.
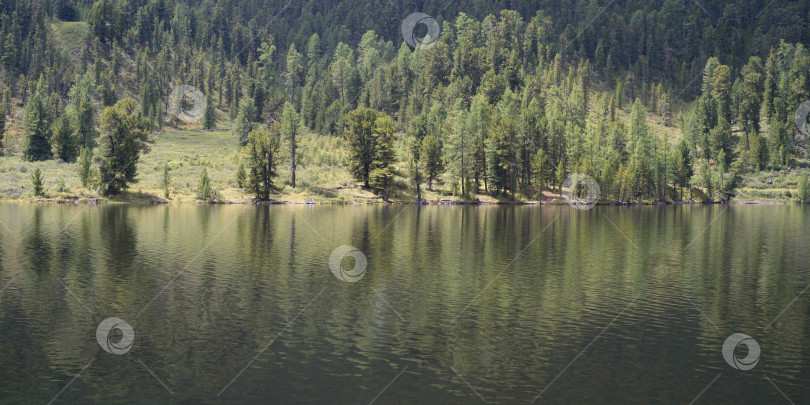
[{"x": 457, "y": 305}]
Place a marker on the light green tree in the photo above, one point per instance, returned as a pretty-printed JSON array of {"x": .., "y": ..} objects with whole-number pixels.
[
  {"x": 804, "y": 189},
  {"x": 122, "y": 140},
  {"x": 541, "y": 172},
  {"x": 431, "y": 156},
  {"x": 37, "y": 181},
  {"x": 204, "y": 189}
]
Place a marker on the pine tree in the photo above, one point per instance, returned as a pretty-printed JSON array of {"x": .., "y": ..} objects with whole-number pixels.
[
  {"x": 431, "y": 156},
  {"x": 721, "y": 89},
  {"x": 290, "y": 124},
  {"x": 204, "y": 190},
  {"x": 501, "y": 155},
  {"x": 292, "y": 75},
  {"x": 459, "y": 150},
  {"x": 123, "y": 138},
  {"x": 382, "y": 166},
  {"x": 561, "y": 175},
  {"x": 37, "y": 130},
  {"x": 359, "y": 132},
  {"x": 37, "y": 181},
  {"x": 85, "y": 162},
  {"x": 541, "y": 171},
  {"x": 64, "y": 141},
  {"x": 85, "y": 124},
  {"x": 706, "y": 178},
  {"x": 165, "y": 180},
  {"x": 241, "y": 176},
  {"x": 244, "y": 123},
  {"x": 209, "y": 117},
  {"x": 262, "y": 154}
]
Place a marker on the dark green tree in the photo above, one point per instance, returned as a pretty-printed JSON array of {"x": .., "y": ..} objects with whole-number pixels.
[
  {"x": 290, "y": 128},
  {"x": 359, "y": 132},
  {"x": 85, "y": 124},
  {"x": 64, "y": 140},
  {"x": 382, "y": 165},
  {"x": 262, "y": 154},
  {"x": 210, "y": 114},
  {"x": 37, "y": 130},
  {"x": 431, "y": 156}
]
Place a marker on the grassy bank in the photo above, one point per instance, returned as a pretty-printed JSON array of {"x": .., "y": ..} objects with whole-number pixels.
[{"x": 322, "y": 175}]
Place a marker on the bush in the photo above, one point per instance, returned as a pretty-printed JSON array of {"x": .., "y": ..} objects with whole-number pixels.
[{"x": 62, "y": 187}]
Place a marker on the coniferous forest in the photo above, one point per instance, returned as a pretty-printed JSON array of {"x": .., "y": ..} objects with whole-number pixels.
[
  {"x": 655, "y": 100},
  {"x": 406, "y": 202}
]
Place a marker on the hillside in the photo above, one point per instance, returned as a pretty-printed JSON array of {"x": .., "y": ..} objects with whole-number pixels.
[{"x": 503, "y": 105}]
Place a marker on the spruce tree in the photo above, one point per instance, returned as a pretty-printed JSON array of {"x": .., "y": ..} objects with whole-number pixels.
[
  {"x": 64, "y": 140},
  {"x": 209, "y": 117},
  {"x": 382, "y": 165},
  {"x": 37, "y": 130},
  {"x": 359, "y": 132},
  {"x": 85, "y": 124}
]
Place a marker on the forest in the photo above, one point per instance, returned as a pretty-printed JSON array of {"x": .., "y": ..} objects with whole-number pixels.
[{"x": 656, "y": 100}]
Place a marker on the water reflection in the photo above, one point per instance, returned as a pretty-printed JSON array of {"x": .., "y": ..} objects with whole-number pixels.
[{"x": 506, "y": 296}]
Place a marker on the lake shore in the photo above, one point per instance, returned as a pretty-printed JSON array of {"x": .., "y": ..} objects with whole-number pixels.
[{"x": 142, "y": 199}]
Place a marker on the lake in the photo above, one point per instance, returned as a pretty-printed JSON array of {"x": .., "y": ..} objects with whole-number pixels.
[{"x": 404, "y": 304}]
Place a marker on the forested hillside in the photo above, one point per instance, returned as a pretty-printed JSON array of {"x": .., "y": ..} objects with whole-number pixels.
[{"x": 655, "y": 100}]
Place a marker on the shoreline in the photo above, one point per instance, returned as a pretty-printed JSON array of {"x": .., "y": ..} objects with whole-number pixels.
[{"x": 77, "y": 200}]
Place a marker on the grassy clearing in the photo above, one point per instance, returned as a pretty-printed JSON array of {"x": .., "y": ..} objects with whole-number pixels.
[
  {"x": 322, "y": 174},
  {"x": 69, "y": 35}
]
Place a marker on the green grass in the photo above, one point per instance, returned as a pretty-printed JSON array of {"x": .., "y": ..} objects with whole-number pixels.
[
  {"x": 322, "y": 173},
  {"x": 70, "y": 35}
]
